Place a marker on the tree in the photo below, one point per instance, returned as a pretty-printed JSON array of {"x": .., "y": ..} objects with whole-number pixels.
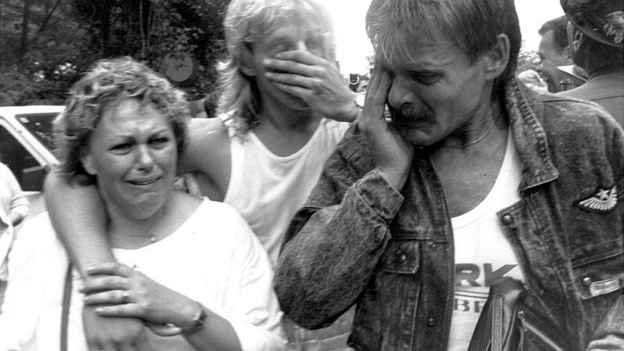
[
  {"x": 47, "y": 44},
  {"x": 152, "y": 30},
  {"x": 38, "y": 40}
]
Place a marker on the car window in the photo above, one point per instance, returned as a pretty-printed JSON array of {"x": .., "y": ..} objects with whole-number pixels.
[
  {"x": 40, "y": 125},
  {"x": 25, "y": 167}
]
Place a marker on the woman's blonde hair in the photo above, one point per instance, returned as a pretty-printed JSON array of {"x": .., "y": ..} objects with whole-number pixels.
[{"x": 246, "y": 21}]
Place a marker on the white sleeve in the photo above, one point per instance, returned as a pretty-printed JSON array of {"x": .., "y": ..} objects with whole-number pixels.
[
  {"x": 252, "y": 304},
  {"x": 19, "y": 203},
  {"x": 26, "y": 284}
]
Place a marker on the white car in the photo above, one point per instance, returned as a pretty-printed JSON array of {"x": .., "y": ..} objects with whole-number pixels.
[{"x": 26, "y": 147}]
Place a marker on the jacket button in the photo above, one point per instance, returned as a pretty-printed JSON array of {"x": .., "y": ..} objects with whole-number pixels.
[
  {"x": 587, "y": 281},
  {"x": 507, "y": 219},
  {"x": 431, "y": 322},
  {"x": 402, "y": 258}
]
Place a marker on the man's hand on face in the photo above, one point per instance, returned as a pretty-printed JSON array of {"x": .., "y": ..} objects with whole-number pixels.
[
  {"x": 114, "y": 334},
  {"x": 316, "y": 81},
  {"x": 393, "y": 154}
]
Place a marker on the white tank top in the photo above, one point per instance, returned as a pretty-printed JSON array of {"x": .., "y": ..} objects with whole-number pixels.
[
  {"x": 268, "y": 189},
  {"x": 482, "y": 253}
]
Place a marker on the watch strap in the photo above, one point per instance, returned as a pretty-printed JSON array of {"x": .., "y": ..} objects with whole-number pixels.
[{"x": 198, "y": 322}]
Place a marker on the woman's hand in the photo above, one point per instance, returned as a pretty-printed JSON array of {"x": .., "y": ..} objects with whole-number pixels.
[
  {"x": 316, "y": 81},
  {"x": 120, "y": 291},
  {"x": 117, "y": 334},
  {"x": 392, "y": 153}
]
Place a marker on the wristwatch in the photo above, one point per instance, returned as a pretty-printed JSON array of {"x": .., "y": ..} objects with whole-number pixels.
[
  {"x": 359, "y": 100},
  {"x": 199, "y": 319}
]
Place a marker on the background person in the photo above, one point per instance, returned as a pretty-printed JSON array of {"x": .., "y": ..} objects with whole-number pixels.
[
  {"x": 283, "y": 100},
  {"x": 553, "y": 52},
  {"x": 533, "y": 80},
  {"x": 596, "y": 34},
  {"x": 473, "y": 178},
  {"x": 13, "y": 210},
  {"x": 196, "y": 264}
]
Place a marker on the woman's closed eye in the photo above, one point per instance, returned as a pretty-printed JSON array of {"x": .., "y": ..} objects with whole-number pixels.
[
  {"x": 278, "y": 48},
  {"x": 122, "y": 148},
  {"x": 159, "y": 142}
]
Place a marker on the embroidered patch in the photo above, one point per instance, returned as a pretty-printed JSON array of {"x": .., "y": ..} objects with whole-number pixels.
[{"x": 603, "y": 201}]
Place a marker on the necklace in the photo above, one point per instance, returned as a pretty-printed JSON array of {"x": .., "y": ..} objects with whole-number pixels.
[
  {"x": 479, "y": 138},
  {"x": 148, "y": 236},
  {"x": 152, "y": 238}
]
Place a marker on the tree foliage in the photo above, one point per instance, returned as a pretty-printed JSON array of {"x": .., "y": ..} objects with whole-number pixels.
[
  {"x": 64, "y": 37},
  {"x": 528, "y": 60}
]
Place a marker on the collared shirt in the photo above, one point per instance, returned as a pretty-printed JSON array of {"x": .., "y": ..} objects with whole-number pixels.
[
  {"x": 358, "y": 241},
  {"x": 607, "y": 90}
]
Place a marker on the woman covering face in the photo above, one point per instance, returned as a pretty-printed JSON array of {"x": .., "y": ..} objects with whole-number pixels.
[{"x": 190, "y": 271}]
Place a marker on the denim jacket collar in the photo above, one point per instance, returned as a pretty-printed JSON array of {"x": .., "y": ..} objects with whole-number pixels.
[{"x": 525, "y": 111}]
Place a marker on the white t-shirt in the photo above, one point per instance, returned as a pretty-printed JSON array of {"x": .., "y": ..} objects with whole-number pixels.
[
  {"x": 12, "y": 199},
  {"x": 213, "y": 258},
  {"x": 482, "y": 253},
  {"x": 268, "y": 189}
]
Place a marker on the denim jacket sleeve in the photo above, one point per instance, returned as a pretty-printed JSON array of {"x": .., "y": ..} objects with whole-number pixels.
[
  {"x": 336, "y": 242},
  {"x": 609, "y": 333}
]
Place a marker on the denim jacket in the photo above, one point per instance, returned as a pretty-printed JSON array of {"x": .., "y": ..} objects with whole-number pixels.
[{"x": 358, "y": 241}]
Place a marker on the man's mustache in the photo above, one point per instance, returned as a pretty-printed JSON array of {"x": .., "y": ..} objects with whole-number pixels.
[{"x": 409, "y": 111}]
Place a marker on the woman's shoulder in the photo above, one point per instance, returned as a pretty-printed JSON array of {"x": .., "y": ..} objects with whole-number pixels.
[{"x": 215, "y": 214}]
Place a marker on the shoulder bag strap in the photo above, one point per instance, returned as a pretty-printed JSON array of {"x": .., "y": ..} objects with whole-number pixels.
[{"x": 67, "y": 292}]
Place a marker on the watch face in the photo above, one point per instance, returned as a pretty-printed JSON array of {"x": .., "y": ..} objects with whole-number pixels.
[{"x": 359, "y": 100}]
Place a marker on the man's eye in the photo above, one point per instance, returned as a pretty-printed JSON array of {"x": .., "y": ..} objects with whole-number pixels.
[{"x": 425, "y": 78}]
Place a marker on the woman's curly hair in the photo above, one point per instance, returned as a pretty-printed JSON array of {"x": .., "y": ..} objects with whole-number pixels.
[{"x": 102, "y": 86}]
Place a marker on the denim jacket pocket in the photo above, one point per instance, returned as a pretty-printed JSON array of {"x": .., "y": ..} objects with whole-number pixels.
[
  {"x": 397, "y": 286},
  {"x": 601, "y": 276},
  {"x": 402, "y": 257}
]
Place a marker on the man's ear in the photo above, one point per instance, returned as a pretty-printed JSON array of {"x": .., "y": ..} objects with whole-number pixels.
[
  {"x": 247, "y": 65},
  {"x": 577, "y": 39},
  {"x": 87, "y": 163},
  {"x": 497, "y": 58}
]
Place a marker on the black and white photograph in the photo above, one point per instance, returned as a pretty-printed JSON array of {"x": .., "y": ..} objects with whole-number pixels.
[{"x": 311, "y": 175}]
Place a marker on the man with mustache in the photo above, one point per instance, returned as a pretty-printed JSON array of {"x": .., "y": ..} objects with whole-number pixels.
[{"x": 473, "y": 178}]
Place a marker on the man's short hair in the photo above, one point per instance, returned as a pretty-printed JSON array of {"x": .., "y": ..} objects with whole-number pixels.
[
  {"x": 246, "y": 21},
  {"x": 396, "y": 26},
  {"x": 559, "y": 27}
]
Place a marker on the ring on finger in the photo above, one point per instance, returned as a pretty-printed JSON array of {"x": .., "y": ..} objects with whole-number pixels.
[
  {"x": 121, "y": 283},
  {"x": 125, "y": 296}
]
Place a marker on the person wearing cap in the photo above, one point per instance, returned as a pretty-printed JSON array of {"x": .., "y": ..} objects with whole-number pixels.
[
  {"x": 473, "y": 177},
  {"x": 596, "y": 36}
]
